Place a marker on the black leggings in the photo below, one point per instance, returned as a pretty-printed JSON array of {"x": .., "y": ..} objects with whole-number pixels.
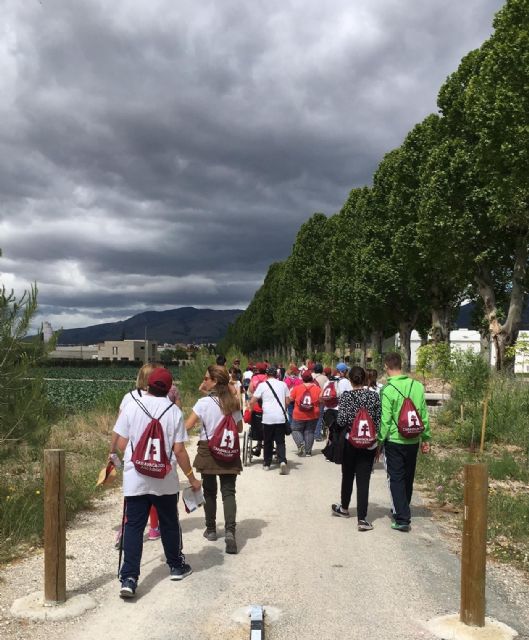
[{"x": 359, "y": 463}]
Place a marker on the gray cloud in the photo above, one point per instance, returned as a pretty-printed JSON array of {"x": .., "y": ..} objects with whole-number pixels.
[{"x": 161, "y": 154}]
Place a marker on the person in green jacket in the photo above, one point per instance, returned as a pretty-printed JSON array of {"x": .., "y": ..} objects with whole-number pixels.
[{"x": 400, "y": 451}]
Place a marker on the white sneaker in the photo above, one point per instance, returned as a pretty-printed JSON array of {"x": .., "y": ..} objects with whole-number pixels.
[
  {"x": 266, "y": 467},
  {"x": 283, "y": 469}
]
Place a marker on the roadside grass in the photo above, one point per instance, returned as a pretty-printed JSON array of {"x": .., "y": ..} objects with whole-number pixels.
[
  {"x": 441, "y": 476},
  {"x": 85, "y": 440}
]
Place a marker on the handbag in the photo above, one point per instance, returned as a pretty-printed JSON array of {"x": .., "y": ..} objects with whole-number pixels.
[{"x": 288, "y": 428}]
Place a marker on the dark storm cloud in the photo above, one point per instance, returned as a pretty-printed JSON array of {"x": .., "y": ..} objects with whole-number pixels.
[{"x": 162, "y": 154}]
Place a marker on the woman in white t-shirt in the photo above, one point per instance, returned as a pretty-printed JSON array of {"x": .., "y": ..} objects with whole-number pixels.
[
  {"x": 210, "y": 410},
  {"x": 139, "y": 392}
]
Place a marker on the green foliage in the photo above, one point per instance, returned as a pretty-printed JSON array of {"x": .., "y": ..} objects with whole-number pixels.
[
  {"x": 85, "y": 440},
  {"x": 436, "y": 358},
  {"x": 447, "y": 218},
  {"x": 192, "y": 377},
  {"x": 24, "y": 411},
  {"x": 470, "y": 376}
]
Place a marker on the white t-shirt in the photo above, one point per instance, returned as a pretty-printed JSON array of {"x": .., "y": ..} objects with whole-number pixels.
[
  {"x": 272, "y": 412},
  {"x": 136, "y": 393},
  {"x": 247, "y": 375},
  {"x": 210, "y": 415},
  {"x": 343, "y": 385},
  {"x": 131, "y": 424}
]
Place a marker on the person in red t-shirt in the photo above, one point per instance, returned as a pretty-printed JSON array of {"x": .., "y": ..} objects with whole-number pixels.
[{"x": 306, "y": 400}]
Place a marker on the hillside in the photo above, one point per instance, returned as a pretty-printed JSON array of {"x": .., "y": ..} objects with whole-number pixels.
[{"x": 185, "y": 325}]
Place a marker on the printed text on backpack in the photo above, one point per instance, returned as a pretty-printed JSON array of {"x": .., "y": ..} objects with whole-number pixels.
[
  {"x": 149, "y": 456},
  {"x": 329, "y": 395},
  {"x": 363, "y": 433},
  {"x": 305, "y": 402},
  {"x": 409, "y": 424},
  {"x": 224, "y": 443}
]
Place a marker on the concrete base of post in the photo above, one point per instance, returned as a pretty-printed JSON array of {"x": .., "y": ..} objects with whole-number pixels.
[
  {"x": 32, "y": 607},
  {"x": 451, "y": 628}
]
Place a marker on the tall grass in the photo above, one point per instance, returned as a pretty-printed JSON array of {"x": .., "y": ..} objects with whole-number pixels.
[{"x": 85, "y": 440}]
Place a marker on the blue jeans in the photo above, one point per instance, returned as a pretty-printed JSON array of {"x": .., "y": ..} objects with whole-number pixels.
[
  {"x": 317, "y": 433},
  {"x": 137, "y": 513}
]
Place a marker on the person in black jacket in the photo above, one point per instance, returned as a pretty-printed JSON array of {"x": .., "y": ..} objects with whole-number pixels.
[{"x": 357, "y": 462}]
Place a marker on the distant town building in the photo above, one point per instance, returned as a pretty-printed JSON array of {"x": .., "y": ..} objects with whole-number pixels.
[
  {"x": 128, "y": 350},
  {"x": 470, "y": 340},
  {"x": 74, "y": 352},
  {"x": 47, "y": 332}
]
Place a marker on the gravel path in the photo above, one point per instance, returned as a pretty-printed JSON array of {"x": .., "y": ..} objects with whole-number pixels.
[{"x": 317, "y": 573}]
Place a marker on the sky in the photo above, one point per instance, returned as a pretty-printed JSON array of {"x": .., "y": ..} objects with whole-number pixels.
[{"x": 162, "y": 154}]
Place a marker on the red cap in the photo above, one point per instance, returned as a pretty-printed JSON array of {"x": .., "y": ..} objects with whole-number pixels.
[
  {"x": 160, "y": 378},
  {"x": 294, "y": 370},
  {"x": 261, "y": 367},
  {"x": 307, "y": 376},
  {"x": 310, "y": 365},
  {"x": 327, "y": 371}
]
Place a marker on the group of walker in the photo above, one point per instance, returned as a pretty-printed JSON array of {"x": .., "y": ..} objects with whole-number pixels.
[{"x": 363, "y": 422}]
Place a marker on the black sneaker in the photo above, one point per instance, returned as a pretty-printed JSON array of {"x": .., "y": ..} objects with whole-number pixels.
[
  {"x": 179, "y": 573},
  {"x": 210, "y": 534},
  {"x": 128, "y": 588},
  {"x": 364, "y": 525},
  {"x": 338, "y": 511},
  {"x": 231, "y": 543},
  {"x": 400, "y": 527}
]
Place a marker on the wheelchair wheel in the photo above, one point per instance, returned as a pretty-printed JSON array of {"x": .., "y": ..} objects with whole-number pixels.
[
  {"x": 244, "y": 450},
  {"x": 249, "y": 452}
]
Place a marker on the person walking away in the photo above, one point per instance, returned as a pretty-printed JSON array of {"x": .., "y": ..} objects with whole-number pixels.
[
  {"x": 342, "y": 385},
  {"x": 140, "y": 390},
  {"x": 275, "y": 398},
  {"x": 291, "y": 379},
  {"x": 322, "y": 380},
  {"x": 142, "y": 491},
  {"x": 396, "y": 435},
  {"x": 246, "y": 379},
  {"x": 306, "y": 400},
  {"x": 210, "y": 411},
  {"x": 256, "y": 421},
  {"x": 372, "y": 380},
  {"x": 357, "y": 462}
]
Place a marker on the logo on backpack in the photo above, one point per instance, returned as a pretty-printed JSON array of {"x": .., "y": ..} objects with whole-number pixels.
[
  {"x": 329, "y": 395},
  {"x": 224, "y": 443},
  {"x": 409, "y": 424},
  {"x": 363, "y": 433},
  {"x": 305, "y": 402},
  {"x": 149, "y": 457}
]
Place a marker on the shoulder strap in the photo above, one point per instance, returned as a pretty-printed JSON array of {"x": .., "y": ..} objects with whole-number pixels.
[
  {"x": 278, "y": 400},
  {"x": 397, "y": 390}
]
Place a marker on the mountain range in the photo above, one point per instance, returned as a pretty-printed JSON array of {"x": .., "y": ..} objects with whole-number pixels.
[{"x": 185, "y": 325}]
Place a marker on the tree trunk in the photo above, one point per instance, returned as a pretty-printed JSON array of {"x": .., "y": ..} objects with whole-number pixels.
[
  {"x": 328, "y": 337},
  {"x": 484, "y": 346},
  {"x": 505, "y": 335},
  {"x": 441, "y": 320},
  {"x": 405, "y": 329},
  {"x": 309, "y": 343},
  {"x": 377, "y": 338}
]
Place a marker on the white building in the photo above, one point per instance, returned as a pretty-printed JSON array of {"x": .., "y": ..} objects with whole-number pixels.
[{"x": 468, "y": 339}]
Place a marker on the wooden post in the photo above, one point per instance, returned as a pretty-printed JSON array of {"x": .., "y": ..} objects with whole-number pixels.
[
  {"x": 474, "y": 549},
  {"x": 462, "y": 408},
  {"x": 54, "y": 528}
]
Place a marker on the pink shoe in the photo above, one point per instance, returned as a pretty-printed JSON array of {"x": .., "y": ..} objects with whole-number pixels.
[{"x": 153, "y": 534}]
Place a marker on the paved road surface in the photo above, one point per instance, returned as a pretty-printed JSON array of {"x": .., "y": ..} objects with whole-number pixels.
[{"x": 323, "y": 578}]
